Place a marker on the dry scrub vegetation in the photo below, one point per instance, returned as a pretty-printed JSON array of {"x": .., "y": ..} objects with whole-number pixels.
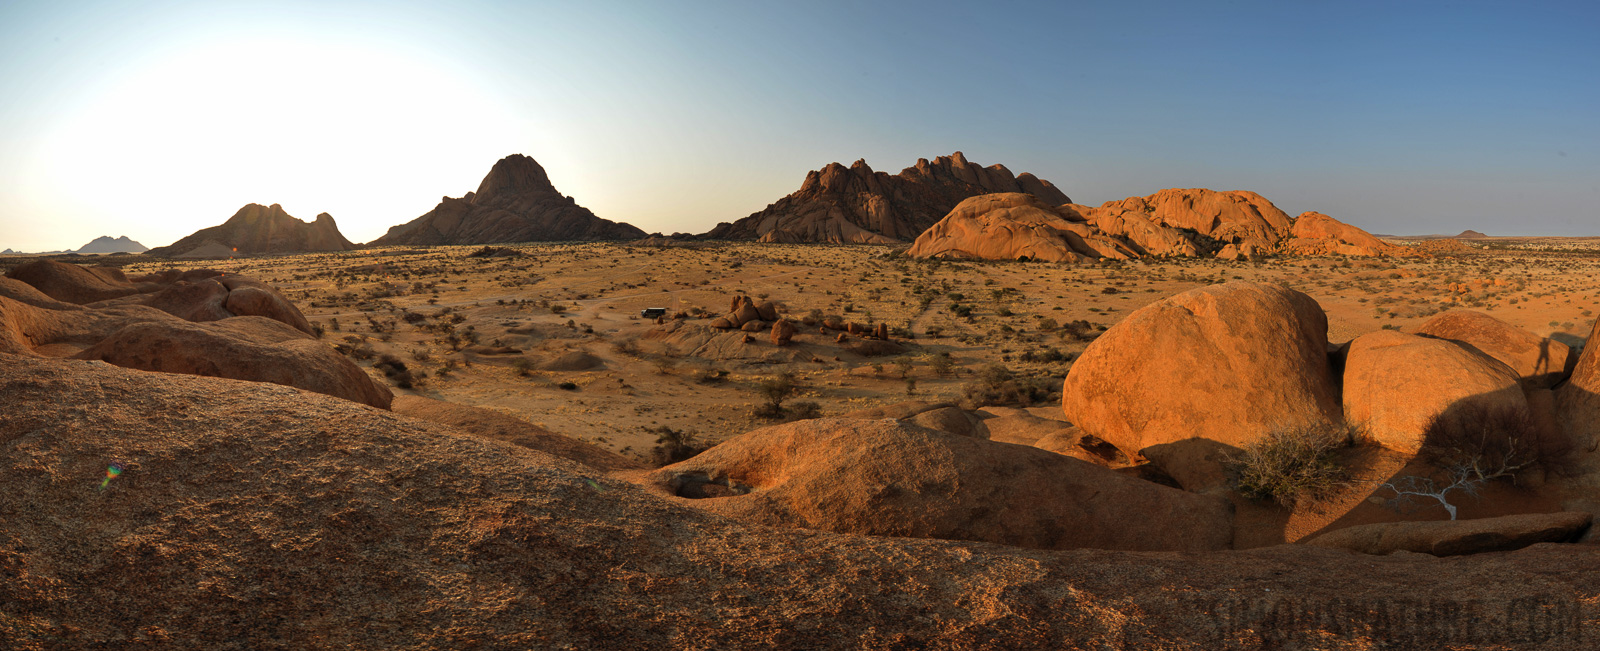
[{"x": 551, "y": 333}]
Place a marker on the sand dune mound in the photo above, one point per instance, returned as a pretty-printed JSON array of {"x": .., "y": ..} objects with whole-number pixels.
[
  {"x": 258, "y": 229},
  {"x": 514, "y": 203},
  {"x": 242, "y": 348},
  {"x": 255, "y": 516},
  {"x": 890, "y": 478},
  {"x": 496, "y": 426},
  {"x": 855, "y": 205}
]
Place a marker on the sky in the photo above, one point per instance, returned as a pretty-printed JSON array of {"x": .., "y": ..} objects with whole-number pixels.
[{"x": 155, "y": 119}]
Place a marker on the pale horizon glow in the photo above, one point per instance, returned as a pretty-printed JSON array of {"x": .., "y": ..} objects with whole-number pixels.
[{"x": 156, "y": 119}]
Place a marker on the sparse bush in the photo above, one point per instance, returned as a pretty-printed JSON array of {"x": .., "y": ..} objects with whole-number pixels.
[
  {"x": 523, "y": 366},
  {"x": 395, "y": 370},
  {"x": 673, "y": 445},
  {"x": 1292, "y": 465},
  {"x": 712, "y": 376},
  {"x": 999, "y": 386},
  {"x": 775, "y": 390},
  {"x": 804, "y": 410}
]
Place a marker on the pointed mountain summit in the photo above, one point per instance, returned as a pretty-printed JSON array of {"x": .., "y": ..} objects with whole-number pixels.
[
  {"x": 106, "y": 244},
  {"x": 258, "y": 229},
  {"x": 855, "y": 205},
  {"x": 514, "y": 203}
]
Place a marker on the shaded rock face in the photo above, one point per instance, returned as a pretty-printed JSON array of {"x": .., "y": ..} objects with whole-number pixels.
[
  {"x": 108, "y": 244},
  {"x": 1014, "y": 226},
  {"x": 1227, "y": 362},
  {"x": 250, "y": 348},
  {"x": 514, "y": 203},
  {"x": 1182, "y": 223},
  {"x": 1395, "y": 383},
  {"x": 258, "y": 229},
  {"x": 1457, "y": 537},
  {"x": 1540, "y": 361},
  {"x": 198, "y": 322},
  {"x": 890, "y": 478},
  {"x": 77, "y": 284},
  {"x": 855, "y": 205},
  {"x": 1578, "y": 399},
  {"x": 308, "y": 526}
]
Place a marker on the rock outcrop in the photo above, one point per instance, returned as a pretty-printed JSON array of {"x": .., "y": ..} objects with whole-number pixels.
[
  {"x": 1227, "y": 362},
  {"x": 256, "y": 230},
  {"x": 892, "y": 478},
  {"x": 108, "y": 244},
  {"x": 1542, "y": 362},
  {"x": 255, "y": 516},
  {"x": 855, "y": 205},
  {"x": 1169, "y": 223},
  {"x": 1014, "y": 226},
  {"x": 1317, "y": 234},
  {"x": 198, "y": 322},
  {"x": 1395, "y": 383},
  {"x": 514, "y": 203}
]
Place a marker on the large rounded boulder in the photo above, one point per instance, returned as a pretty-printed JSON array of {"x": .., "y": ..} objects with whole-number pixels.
[
  {"x": 1228, "y": 362},
  {"x": 1578, "y": 400},
  {"x": 1541, "y": 361},
  {"x": 1395, "y": 383},
  {"x": 891, "y": 478}
]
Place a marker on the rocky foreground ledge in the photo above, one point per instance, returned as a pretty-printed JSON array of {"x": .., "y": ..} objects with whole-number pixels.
[{"x": 259, "y": 516}]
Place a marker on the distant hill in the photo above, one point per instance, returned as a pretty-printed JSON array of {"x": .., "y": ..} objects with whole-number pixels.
[
  {"x": 514, "y": 203},
  {"x": 105, "y": 244},
  {"x": 1470, "y": 235},
  {"x": 258, "y": 229},
  {"x": 839, "y": 204}
]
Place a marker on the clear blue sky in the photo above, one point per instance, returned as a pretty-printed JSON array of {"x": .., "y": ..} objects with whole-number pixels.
[{"x": 154, "y": 119}]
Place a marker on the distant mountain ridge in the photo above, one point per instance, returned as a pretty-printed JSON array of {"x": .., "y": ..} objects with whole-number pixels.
[
  {"x": 258, "y": 229},
  {"x": 856, "y": 205},
  {"x": 107, "y": 244},
  {"x": 515, "y": 203}
]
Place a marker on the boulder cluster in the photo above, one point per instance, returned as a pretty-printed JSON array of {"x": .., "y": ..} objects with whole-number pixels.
[
  {"x": 199, "y": 322},
  {"x": 1170, "y": 223},
  {"x": 1233, "y": 362}
]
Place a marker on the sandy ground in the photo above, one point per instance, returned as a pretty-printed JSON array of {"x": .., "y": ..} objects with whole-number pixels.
[{"x": 560, "y": 298}]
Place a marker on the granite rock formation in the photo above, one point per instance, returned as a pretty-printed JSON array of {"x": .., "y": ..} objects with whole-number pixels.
[
  {"x": 1169, "y": 223},
  {"x": 856, "y": 205},
  {"x": 256, "y": 230},
  {"x": 514, "y": 203}
]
